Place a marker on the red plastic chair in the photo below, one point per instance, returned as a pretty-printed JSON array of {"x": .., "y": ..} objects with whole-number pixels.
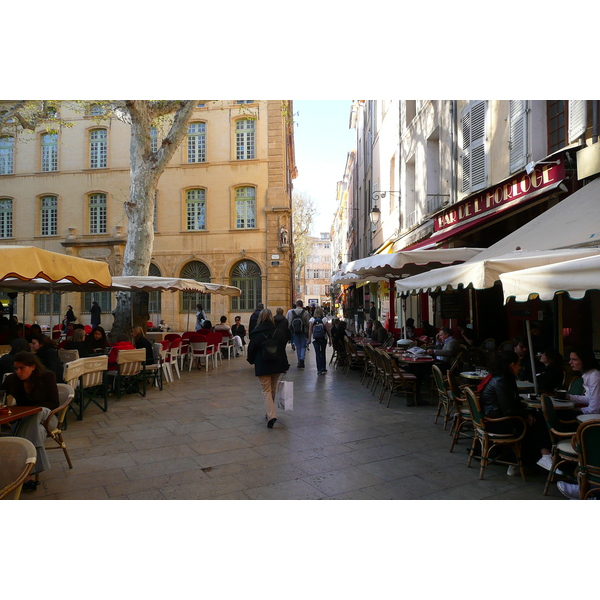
[
  {"x": 216, "y": 341},
  {"x": 172, "y": 336}
]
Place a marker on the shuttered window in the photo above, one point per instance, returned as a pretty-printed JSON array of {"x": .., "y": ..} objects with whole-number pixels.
[
  {"x": 518, "y": 134},
  {"x": 577, "y": 119},
  {"x": 474, "y": 172}
]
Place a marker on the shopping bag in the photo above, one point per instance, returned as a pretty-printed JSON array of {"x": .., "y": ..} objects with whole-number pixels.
[{"x": 284, "y": 396}]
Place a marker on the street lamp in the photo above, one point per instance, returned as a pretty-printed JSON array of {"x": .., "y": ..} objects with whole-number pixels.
[{"x": 375, "y": 215}]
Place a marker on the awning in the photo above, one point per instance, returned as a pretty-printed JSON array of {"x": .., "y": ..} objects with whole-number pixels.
[
  {"x": 399, "y": 264},
  {"x": 574, "y": 277},
  {"x": 30, "y": 262},
  {"x": 175, "y": 284},
  {"x": 482, "y": 274},
  {"x": 574, "y": 224}
]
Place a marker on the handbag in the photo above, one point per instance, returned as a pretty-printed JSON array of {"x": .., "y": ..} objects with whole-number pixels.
[{"x": 284, "y": 395}]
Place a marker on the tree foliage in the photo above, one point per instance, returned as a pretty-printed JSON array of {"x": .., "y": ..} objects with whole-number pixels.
[{"x": 303, "y": 213}]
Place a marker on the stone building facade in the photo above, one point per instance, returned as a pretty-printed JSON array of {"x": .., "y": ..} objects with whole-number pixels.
[{"x": 222, "y": 208}]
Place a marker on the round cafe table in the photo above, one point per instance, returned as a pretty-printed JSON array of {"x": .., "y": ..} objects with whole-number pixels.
[
  {"x": 474, "y": 375},
  {"x": 558, "y": 404},
  {"x": 584, "y": 418}
]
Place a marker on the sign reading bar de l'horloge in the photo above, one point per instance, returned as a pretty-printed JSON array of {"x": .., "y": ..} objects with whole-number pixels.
[{"x": 501, "y": 197}]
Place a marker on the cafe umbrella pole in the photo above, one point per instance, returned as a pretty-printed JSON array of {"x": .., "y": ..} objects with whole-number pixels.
[{"x": 531, "y": 358}]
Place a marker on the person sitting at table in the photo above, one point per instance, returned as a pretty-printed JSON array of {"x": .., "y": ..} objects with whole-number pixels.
[
  {"x": 369, "y": 328},
  {"x": 583, "y": 360},
  {"x": 141, "y": 341},
  {"x": 8, "y": 360},
  {"x": 34, "y": 330},
  {"x": 224, "y": 329},
  {"x": 163, "y": 326},
  {"x": 33, "y": 385},
  {"x": 525, "y": 372},
  {"x": 96, "y": 340},
  {"x": 46, "y": 351},
  {"x": 123, "y": 343},
  {"x": 409, "y": 329},
  {"x": 379, "y": 332},
  {"x": 77, "y": 342},
  {"x": 467, "y": 334},
  {"x": 239, "y": 330},
  {"x": 499, "y": 397},
  {"x": 446, "y": 348},
  {"x": 552, "y": 375}
]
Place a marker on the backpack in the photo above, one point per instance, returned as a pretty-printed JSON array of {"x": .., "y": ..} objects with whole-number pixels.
[
  {"x": 318, "y": 329},
  {"x": 297, "y": 322},
  {"x": 269, "y": 349}
]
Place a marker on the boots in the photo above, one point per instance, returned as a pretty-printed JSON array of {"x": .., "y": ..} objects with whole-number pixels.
[{"x": 301, "y": 364}]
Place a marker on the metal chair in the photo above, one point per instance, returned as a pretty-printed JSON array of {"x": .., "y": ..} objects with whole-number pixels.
[
  {"x": 54, "y": 427},
  {"x": 587, "y": 442},
  {"x": 489, "y": 439},
  {"x": 130, "y": 373},
  {"x": 561, "y": 433},
  {"x": 17, "y": 458}
]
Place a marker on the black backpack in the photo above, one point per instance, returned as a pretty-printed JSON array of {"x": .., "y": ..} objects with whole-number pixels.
[
  {"x": 298, "y": 323},
  {"x": 269, "y": 349}
]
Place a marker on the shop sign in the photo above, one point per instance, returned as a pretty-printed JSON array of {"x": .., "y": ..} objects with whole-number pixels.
[{"x": 515, "y": 190}]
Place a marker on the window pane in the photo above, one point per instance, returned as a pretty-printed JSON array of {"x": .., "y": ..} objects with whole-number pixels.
[
  {"x": 6, "y": 219},
  {"x": 50, "y": 152},
  {"x": 49, "y": 215},
  {"x": 98, "y": 149},
  {"x": 104, "y": 299},
  {"x": 97, "y": 211},
  {"x": 196, "y": 210},
  {"x": 244, "y": 137},
  {"x": 6, "y": 155},
  {"x": 197, "y": 143},
  {"x": 198, "y": 272},
  {"x": 245, "y": 208},
  {"x": 247, "y": 276}
]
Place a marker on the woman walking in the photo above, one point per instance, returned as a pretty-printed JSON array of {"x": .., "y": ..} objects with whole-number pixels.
[
  {"x": 266, "y": 351},
  {"x": 319, "y": 332}
]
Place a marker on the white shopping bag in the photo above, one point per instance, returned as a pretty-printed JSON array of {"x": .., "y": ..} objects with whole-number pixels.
[{"x": 284, "y": 396}]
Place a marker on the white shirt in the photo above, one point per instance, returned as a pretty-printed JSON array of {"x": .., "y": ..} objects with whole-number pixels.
[{"x": 591, "y": 389}]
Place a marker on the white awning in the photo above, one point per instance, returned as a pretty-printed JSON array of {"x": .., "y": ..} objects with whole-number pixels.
[
  {"x": 573, "y": 224},
  {"x": 482, "y": 274},
  {"x": 399, "y": 264},
  {"x": 574, "y": 277}
]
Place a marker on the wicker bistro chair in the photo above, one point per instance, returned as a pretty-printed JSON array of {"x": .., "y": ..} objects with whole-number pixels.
[
  {"x": 379, "y": 372},
  {"x": 587, "y": 442},
  {"x": 561, "y": 433},
  {"x": 370, "y": 367},
  {"x": 17, "y": 457},
  {"x": 53, "y": 424},
  {"x": 131, "y": 371},
  {"x": 397, "y": 380},
  {"x": 88, "y": 378},
  {"x": 462, "y": 424},
  {"x": 354, "y": 357},
  {"x": 489, "y": 440},
  {"x": 444, "y": 400}
]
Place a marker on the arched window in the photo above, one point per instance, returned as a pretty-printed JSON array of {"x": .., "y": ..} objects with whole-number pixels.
[
  {"x": 98, "y": 148},
  {"x": 154, "y": 298},
  {"x": 97, "y": 213},
  {"x": 49, "y": 152},
  {"x": 244, "y": 139},
  {"x": 199, "y": 272},
  {"x": 247, "y": 276},
  {"x": 195, "y": 204},
  {"x": 245, "y": 208},
  {"x": 7, "y": 148},
  {"x": 6, "y": 218},
  {"x": 196, "y": 143},
  {"x": 49, "y": 215}
]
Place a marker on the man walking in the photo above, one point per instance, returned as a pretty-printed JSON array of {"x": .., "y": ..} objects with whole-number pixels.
[
  {"x": 95, "y": 312},
  {"x": 298, "y": 320},
  {"x": 254, "y": 317},
  {"x": 373, "y": 312}
]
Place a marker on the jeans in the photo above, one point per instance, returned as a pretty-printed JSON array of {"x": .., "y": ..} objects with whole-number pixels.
[
  {"x": 320, "y": 348},
  {"x": 300, "y": 341}
]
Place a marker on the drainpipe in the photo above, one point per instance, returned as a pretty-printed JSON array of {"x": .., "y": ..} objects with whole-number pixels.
[{"x": 594, "y": 121}]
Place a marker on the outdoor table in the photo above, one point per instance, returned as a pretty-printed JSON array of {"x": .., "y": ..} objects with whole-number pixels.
[
  {"x": 523, "y": 386},
  {"x": 18, "y": 412},
  {"x": 584, "y": 418},
  {"x": 478, "y": 375},
  {"x": 420, "y": 367},
  {"x": 536, "y": 404},
  {"x": 159, "y": 336}
]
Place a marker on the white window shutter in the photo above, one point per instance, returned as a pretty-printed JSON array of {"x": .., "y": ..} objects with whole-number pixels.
[
  {"x": 478, "y": 162},
  {"x": 518, "y": 134},
  {"x": 577, "y": 119}
]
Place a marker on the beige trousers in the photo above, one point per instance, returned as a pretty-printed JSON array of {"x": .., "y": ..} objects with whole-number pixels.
[{"x": 268, "y": 384}]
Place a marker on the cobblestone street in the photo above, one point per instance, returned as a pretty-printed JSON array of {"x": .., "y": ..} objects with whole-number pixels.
[{"x": 204, "y": 437}]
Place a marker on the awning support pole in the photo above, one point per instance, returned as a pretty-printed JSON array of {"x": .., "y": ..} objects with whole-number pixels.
[{"x": 531, "y": 357}]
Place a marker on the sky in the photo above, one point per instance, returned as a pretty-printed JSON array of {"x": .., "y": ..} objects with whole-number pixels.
[{"x": 322, "y": 142}]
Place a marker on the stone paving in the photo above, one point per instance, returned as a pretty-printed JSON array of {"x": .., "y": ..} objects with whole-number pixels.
[{"x": 205, "y": 437}]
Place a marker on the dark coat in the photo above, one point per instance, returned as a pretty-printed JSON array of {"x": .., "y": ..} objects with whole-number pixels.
[
  {"x": 282, "y": 322},
  {"x": 500, "y": 398},
  {"x": 143, "y": 342},
  {"x": 81, "y": 347},
  {"x": 259, "y": 334},
  {"x": 49, "y": 357},
  {"x": 44, "y": 394},
  {"x": 253, "y": 320},
  {"x": 95, "y": 312}
]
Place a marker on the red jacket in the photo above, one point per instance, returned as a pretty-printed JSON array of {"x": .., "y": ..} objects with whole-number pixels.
[{"x": 112, "y": 357}]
